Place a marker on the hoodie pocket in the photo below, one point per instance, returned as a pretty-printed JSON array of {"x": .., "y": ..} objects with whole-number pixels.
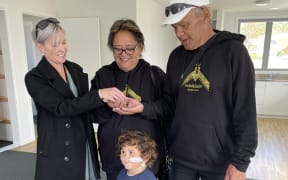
[{"x": 198, "y": 143}]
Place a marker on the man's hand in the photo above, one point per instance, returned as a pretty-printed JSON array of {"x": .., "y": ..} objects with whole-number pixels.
[{"x": 234, "y": 174}]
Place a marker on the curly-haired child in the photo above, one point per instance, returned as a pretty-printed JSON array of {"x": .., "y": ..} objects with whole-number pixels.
[{"x": 137, "y": 153}]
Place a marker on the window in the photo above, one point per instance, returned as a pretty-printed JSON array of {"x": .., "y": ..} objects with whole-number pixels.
[{"x": 267, "y": 43}]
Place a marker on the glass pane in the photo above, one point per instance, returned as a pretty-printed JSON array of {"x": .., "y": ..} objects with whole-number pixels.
[
  {"x": 278, "y": 54},
  {"x": 255, "y": 35}
]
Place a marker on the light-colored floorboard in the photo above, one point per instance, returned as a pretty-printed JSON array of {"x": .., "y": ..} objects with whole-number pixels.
[
  {"x": 271, "y": 159},
  {"x": 31, "y": 147}
]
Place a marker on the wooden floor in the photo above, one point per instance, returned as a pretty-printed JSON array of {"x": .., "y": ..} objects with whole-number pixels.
[
  {"x": 271, "y": 160},
  {"x": 31, "y": 147}
]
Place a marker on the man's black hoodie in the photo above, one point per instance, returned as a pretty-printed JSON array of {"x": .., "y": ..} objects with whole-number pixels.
[{"x": 214, "y": 122}]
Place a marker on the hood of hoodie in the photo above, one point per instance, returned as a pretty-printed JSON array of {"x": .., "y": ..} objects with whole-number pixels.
[
  {"x": 218, "y": 38},
  {"x": 222, "y": 36}
]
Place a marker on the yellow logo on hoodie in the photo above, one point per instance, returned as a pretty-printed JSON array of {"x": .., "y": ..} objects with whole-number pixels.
[
  {"x": 199, "y": 80},
  {"x": 130, "y": 93}
]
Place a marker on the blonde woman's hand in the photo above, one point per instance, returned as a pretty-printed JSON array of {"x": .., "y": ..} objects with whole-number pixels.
[{"x": 113, "y": 97}]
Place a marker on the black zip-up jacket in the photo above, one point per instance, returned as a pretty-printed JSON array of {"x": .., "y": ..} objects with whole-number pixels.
[
  {"x": 214, "y": 122},
  {"x": 110, "y": 123}
]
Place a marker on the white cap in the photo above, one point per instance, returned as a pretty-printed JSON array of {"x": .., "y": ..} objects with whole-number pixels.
[{"x": 174, "y": 18}]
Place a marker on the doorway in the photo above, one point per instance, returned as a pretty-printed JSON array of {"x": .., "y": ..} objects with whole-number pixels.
[{"x": 33, "y": 56}]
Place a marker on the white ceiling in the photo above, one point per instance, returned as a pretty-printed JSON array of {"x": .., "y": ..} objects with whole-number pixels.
[{"x": 241, "y": 5}]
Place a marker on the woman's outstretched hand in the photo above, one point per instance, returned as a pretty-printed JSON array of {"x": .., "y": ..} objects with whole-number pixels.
[
  {"x": 113, "y": 97},
  {"x": 133, "y": 106}
]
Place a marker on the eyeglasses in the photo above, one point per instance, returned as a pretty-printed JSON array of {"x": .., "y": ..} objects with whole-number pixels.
[
  {"x": 128, "y": 51},
  {"x": 44, "y": 23},
  {"x": 175, "y": 8}
]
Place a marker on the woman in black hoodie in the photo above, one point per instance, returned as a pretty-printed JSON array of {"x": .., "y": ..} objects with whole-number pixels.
[{"x": 138, "y": 80}]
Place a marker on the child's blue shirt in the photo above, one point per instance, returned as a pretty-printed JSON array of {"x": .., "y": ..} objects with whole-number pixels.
[{"x": 145, "y": 175}]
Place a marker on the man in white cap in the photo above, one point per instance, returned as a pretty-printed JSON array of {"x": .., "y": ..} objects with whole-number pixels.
[
  {"x": 210, "y": 87},
  {"x": 211, "y": 77}
]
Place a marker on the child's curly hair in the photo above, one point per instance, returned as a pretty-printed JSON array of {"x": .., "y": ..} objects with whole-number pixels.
[{"x": 142, "y": 141}]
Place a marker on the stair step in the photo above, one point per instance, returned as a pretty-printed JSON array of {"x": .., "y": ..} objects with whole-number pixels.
[
  {"x": 3, "y": 99},
  {"x": 2, "y": 76},
  {"x": 5, "y": 121}
]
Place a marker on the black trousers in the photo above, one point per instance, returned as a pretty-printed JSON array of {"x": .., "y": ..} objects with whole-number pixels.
[
  {"x": 112, "y": 176},
  {"x": 180, "y": 172}
]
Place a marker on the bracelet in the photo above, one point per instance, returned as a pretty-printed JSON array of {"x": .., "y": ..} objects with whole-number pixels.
[{"x": 100, "y": 95}]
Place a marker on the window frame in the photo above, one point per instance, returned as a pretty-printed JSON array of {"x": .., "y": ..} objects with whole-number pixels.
[{"x": 267, "y": 40}]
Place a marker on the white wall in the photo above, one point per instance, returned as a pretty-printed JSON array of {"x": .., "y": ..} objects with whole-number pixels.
[
  {"x": 159, "y": 40},
  {"x": 148, "y": 14},
  {"x": 37, "y": 6},
  {"x": 15, "y": 62},
  {"x": 108, "y": 11},
  {"x": 83, "y": 37}
]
